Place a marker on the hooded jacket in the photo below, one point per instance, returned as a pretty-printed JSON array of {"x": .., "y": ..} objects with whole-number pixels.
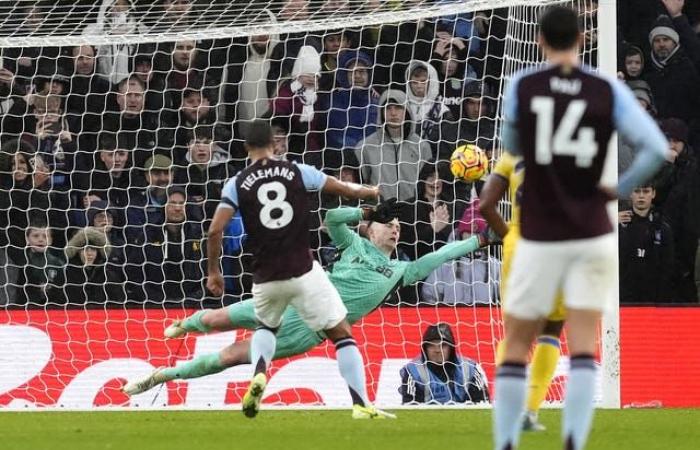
[
  {"x": 113, "y": 60},
  {"x": 96, "y": 283},
  {"x": 393, "y": 163},
  {"x": 353, "y": 112},
  {"x": 458, "y": 380},
  {"x": 429, "y": 110}
]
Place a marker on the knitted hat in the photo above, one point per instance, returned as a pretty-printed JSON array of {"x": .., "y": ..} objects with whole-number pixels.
[
  {"x": 308, "y": 62},
  {"x": 675, "y": 129},
  {"x": 664, "y": 27}
]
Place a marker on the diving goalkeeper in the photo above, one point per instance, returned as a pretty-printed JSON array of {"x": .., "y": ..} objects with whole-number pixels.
[{"x": 365, "y": 276}]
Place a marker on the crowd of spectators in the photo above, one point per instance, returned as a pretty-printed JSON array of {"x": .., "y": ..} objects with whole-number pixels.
[
  {"x": 659, "y": 58},
  {"x": 114, "y": 156}
]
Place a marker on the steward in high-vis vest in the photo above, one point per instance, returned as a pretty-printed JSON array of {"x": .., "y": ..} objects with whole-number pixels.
[{"x": 439, "y": 375}]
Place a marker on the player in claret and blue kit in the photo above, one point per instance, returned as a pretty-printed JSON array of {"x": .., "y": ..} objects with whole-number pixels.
[
  {"x": 272, "y": 197},
  {"x": 560, "y": 119}
]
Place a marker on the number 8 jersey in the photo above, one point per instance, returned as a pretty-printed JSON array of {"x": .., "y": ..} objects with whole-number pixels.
[
  {"x": 561, "y": 121},
  {"x": 273, "y": 199}
]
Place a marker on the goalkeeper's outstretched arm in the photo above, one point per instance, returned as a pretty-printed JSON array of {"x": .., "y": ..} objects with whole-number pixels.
[{"x": 423, "y": 266}]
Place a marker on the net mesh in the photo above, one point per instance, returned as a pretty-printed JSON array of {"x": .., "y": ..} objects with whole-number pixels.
[{"x": 121, "y": 121}]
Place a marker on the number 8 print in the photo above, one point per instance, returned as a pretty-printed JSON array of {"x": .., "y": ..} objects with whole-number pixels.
[{"x": 277, "y": 203}]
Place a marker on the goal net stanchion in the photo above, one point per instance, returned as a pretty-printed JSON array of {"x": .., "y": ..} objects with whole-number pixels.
[{"x": 84, "y": 336}]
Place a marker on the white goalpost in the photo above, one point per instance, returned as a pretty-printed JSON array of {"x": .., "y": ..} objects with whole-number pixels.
[{"x": 113, "y": 111}]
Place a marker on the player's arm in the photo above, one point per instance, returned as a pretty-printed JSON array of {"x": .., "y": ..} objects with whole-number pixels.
[
  {"x": 422, "y": 267},
  {"x": 315, "y": 180},
  {"x": 215, "y": 236},
  {"x": 492, "y": 192},
  {"x": 639, "y": 129},
  {"x": 510, "y": 137}
]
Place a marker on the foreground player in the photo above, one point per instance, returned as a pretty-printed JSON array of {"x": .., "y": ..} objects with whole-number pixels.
[
  {"x": 561, "y": 118},
  {"x": 273, "y": 200},
  {"x": 507, "y": 176},
  {"x": 365, "y": 276}
]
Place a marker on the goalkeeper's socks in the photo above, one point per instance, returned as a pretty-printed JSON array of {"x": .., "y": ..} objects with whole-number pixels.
[
  {"x": 197, "y": 367},
  {"x": 542, "y": 368},
  {"x": 352, "y": 368},
  {"x": 262, "y": 349},
  {"x": 578, "y": 405},
  {"x": 508, "y": 409},
  {"x": 194, "y": 322}
]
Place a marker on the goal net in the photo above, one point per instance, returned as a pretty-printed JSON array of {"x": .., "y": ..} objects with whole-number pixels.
[{"x": 122, "y": 119}]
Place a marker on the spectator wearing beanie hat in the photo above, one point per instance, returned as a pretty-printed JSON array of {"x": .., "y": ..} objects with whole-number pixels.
[
  {"x": 672, "y": 76},
  {"x": 297, "y": 104}
]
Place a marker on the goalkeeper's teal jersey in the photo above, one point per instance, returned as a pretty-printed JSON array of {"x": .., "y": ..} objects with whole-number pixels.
[{"x": 363, "y": 276}]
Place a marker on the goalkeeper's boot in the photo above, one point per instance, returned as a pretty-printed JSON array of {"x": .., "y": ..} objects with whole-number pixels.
[
  {"x": 370, "y": 412},
  {"x": 144, "y": 384},
  {"x": 252, "y": 398},
  {"x": 532, "y": 423},
  {"x": 175, "y": 330}
]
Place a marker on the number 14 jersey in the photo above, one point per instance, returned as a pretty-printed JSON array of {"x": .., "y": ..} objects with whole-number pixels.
[
  {"x": 273, "y": 199},
  {"x": 563, "y": 120}
]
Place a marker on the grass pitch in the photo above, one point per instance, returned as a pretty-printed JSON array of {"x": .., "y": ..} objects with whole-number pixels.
[{"x": 333, "y": 430}]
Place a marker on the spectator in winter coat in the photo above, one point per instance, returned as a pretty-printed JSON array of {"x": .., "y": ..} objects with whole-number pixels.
[
  {"x": 169, "y": 261},
  {"x": 425, "y": 103},
  {"x": 87, "y": 279},
  {"x": 115, "y": 17},
  {"x": 41, "y": 265},
  {"x": 672, "y": 75},
  {"x": 146, "y": 205},
  {"x": 393, "y": 156},
  {"x": 439, "y": 375},
  {"x": 87, "y": 98},
  {"x": 678, "y": 186},
  {"x": 450, "y": 60},
  {"x": 196, "y": 112},
  {"x": 353, "y": 110},
  {"x": 297, "y": 104},
  {"x": 133, "y": 119},
  {"x": 646, "y": 251},
  {"x": 206, "y": 171},
  {"x": 255, "y": 89},
  {"x": 428, "y": 218},
  {"x": 475, "y": 127}
]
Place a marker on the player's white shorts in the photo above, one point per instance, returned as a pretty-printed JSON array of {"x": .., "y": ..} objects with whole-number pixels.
[
  {"x": 583, "y": 269},
  {"x": 312, "y": 295}
]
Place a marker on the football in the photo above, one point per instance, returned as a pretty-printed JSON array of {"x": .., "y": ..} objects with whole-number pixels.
[{"x": 469, "y": 163}]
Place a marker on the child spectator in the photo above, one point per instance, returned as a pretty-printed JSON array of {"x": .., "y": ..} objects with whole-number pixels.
[
  {"x": 41, "y": 265},
  {"x": 633, "y": 63},
  {"x": 646, "y": 251}
]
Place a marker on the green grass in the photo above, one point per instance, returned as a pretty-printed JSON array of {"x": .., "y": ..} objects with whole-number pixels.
[{"x": 332, "y": 430}]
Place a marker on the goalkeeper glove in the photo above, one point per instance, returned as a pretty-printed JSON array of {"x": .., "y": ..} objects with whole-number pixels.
[{"x": 384, "y": 212}]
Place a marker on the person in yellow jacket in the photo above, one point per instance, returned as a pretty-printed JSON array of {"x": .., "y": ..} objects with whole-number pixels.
[{"x": 507, "y": 176}]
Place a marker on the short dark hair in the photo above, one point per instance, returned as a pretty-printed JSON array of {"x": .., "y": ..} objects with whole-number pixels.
[
  {"x": 560, "y": 27},
  {"x": 259, "y": 134},
  {"x": 133, "y": 77}
]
